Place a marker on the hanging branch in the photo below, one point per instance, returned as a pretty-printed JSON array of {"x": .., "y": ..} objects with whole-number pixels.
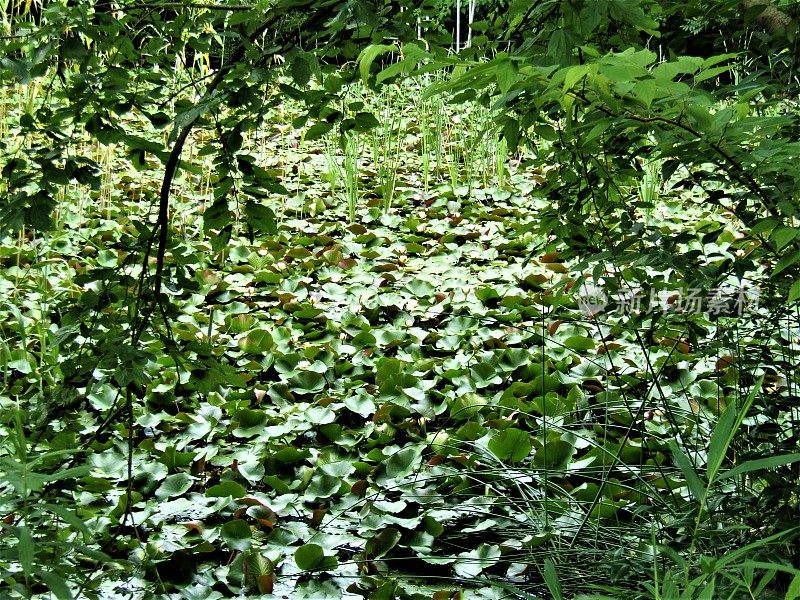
[{"x": 171, "y": 167}]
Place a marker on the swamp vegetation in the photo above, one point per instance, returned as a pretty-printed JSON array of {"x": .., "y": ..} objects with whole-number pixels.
[{"x": 390, "y": 299}]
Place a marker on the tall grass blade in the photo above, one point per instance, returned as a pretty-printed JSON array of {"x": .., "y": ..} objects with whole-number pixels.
[
  {"x": 551, "y": 579},
  {"x": 759, "y": 464},
  {"x": 693, "y": 481},
  {"x": 726, "y": 428},
  {"x": 793, "y": 593}
]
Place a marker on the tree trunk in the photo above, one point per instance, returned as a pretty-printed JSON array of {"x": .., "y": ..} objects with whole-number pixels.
[{"x": 772, "y": 19}]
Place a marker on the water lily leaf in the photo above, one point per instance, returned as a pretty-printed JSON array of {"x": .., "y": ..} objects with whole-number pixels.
[
  {"x": 467, "y": 406},
  {"x": 361, "y": 404},
  {"x": 236, "y": 534},
  {"x": 382, "y": 542},
  {"x": 226, "y": 488},
  {"x": 256, "y": 342},
  {"x": 322, "y": 486},
  {"x": 513, "y": 358},
  {"x": 511, "y": 444},
  {"x": 554, "y": 455},
  {"x": 251, "y": 422},
  {"x": 174, "y": 485},
  {"x": 311, "y": 557},
  {"x": 400, "y": 464},
  {"x": 484, "y": 375},
  {"x": 307, "y": 382},
  {"x": 579, "y": 342},
  {"x": 471, "y": 564},
  {"x": 172, "y": 458},
  {"x": 420, "y": 288},
  {"x": 319, "y": 415}
]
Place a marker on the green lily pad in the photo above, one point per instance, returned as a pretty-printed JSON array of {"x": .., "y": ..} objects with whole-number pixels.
[{"x": 511, "y": 444}]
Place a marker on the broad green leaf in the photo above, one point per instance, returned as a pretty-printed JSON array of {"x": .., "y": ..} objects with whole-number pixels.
[
  {"x": 467, "y": 406},
  {"x": 260, "y": 571},
  {"x": 381, "y": 543},
  {"x": 506, "y": 74},
  {"x": 794, "y": 291},
  {"x": 711, "y": 73},
  {"x": 700, "y": 116},
  {"x": 785, "y": 262},
  {"x": 471, "y": 564},
  {"x": 365, "y": 121},
  {"x": 217, "y": 215},
  {"x": 257, "y": 341},
  {"x": 579, "y": 343},
  {"x": 226, "y": 488},
  {"x": 18, "y": 68},
  {"x": 260, "y": 217},
  {"x": 554, "y": 455},
  {"x": 322, "y": 486},
  {"x": 575, "y": 74},
  {"x": 250, "y": 422},
  {"x": 319, "y": 415},
  {"x": 557, "y": 46},
  {"x": 173, "y": 458},
  {"x": 307, "y": 382},
  {"x": 311, "y": 557},
  {"x": 236, "y": 534},
  {"x": 317, "y": 130},
  {"x": 782, "y": 236},
  {"x": 402, "y": 463},
  {"x": 511, "y": 444},
  {"x": 174, "y": 485},
  {"x": 301, "y": 70}
]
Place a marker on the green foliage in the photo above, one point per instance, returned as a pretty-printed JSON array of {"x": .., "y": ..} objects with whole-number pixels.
[{"x": 216, "y": 379}]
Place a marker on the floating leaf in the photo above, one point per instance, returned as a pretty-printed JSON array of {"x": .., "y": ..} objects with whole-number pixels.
[
  {"x": 511, "y": 444},
  {"x": 174, "y": 485},
  {"x": 381, "y": 543},
  {"x": 256, "y": 342},
  {"x": 226, "y": 488},
  {"x": 236, "y": 534},
  {"x": 311, "y": 557}
]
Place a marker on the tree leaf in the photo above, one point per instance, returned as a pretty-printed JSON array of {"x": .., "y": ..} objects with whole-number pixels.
[
  {"x": 261, "y": 217},
  {"x": 794, "y": 291},
  {"x": 368, "y": 56},
  {"x": 56, "y": 585},
  {"x": 317, "y": 130}
]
